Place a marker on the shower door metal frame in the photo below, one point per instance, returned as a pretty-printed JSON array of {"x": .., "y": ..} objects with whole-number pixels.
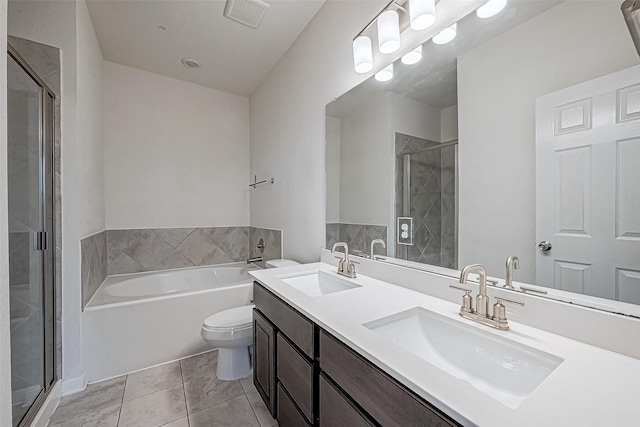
[{"x": 46, "y": 238}]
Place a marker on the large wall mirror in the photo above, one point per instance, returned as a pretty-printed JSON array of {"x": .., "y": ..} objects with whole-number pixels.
[{"x": 519, "y": 138}]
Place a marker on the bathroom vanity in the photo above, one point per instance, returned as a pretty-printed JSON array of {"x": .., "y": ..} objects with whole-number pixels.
[
  {"x": 308, "y": 377},
  {"x": 357, "y": 352}
]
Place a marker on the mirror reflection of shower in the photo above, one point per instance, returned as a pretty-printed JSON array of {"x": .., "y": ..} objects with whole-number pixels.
[{"x": 425, "y": 187}]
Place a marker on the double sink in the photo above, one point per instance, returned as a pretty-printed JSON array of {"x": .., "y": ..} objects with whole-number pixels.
[{"x": 490, "y": 362}]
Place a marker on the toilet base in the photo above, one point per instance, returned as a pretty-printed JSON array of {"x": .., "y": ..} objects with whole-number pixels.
[{"x": 233, "y": 363}]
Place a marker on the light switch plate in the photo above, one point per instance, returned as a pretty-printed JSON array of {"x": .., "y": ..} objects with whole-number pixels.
[{"x": 405, "y": 230}]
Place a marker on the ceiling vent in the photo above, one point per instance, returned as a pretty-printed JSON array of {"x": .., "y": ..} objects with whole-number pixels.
[{"x": 247, "y": 12}]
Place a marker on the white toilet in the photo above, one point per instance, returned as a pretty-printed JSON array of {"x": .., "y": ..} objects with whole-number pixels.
[{"x": 231, "y": 332}]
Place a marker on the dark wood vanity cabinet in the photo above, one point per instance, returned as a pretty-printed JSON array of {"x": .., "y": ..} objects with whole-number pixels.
[
  {"x": 307, "y": 377},
  {"x": 285, "y": 367}
]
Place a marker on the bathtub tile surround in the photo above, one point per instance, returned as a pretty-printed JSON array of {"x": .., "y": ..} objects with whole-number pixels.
[
  {"x": 94, "y": 266},
  {"x": 357, "y": 236},
  {"x": 272, "y": 243},
  {"x": 178, "y": 394},
  {"x": 133, "y": 251}
]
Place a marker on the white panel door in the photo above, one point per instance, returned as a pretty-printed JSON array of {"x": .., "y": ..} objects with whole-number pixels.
[{"x": 588, "y": 187}]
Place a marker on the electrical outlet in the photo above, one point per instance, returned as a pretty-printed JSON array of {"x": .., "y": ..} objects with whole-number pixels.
[{"x": 405, "y": 230}]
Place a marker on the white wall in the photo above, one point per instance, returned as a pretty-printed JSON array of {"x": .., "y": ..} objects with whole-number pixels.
[
  {"x": 333, "y": 169},
  {"x": 288, "y": 118},
  {"x": 367, "y": 146},
  {"x": 449, "y": 124},
  {"x": 176, "y": 153},
  {"x": 5, "y": 338},
  {"x": 497, "y": 86},
  {"x": 90, "y": 151}
]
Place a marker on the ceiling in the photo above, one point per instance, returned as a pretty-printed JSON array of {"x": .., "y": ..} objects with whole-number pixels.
[{"x": 155, "y": 35}]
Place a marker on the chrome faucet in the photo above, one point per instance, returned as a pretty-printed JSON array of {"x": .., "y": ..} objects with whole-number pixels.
[
  {"x": 345, "y": 267},
  {"x": 373, "y": 243},
  {"x": 481, "y": 312},
  {"x": 513, "y": 263}
]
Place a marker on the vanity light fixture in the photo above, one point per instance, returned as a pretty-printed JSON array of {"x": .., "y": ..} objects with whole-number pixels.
[
  {"x": 362, "y": 54},
  {"x": 491, "y": 8},
  {"x": 388, "y": 31},
  {"x": 385, "y": 74},
  {"x": 395, "y": 17},
  {"x": 412, "y": 57},
  {"x": 446, "y": 35},
  {"x": 422, "y": 14}
]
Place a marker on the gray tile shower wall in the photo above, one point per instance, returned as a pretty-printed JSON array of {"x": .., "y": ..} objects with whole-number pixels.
[
  {"x": 133, "y": 251},
  {"x": 94, "y": 264},
  {"x": 272, "y": 243}
]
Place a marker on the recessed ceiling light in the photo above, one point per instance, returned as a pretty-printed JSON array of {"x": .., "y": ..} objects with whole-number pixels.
[{"x": 190, "y": 62}]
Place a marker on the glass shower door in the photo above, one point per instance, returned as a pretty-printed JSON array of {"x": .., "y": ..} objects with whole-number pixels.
[{"x": 30, "y": 261}]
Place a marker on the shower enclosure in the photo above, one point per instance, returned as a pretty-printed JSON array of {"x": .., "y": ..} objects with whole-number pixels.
[
  {"x": 425, "y": 186},
  {"x": 30, "y": 109}
]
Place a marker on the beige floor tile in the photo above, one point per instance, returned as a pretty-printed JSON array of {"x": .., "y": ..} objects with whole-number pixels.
[
  {"x": 200, "y": 365},
  {"x": 97, "y": 396},
  {"x": 107, "y": 417},
  {"x": 207, "y": 391},
  {"x": 153, "y": 410},
  {"x": 236, "y": 412},
  {"x": 151, "y": 380}
]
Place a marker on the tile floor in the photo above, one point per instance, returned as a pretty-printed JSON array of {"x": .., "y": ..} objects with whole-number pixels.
[{"x": 185, "y": 393}]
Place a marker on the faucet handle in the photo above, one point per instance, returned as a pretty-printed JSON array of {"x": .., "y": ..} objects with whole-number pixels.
[
  {"x": 500, "y": 311},
  {"x": 467, "y": 299}
]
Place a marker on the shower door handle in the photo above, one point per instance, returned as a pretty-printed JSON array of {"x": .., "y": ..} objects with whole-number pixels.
[{"x": 40, "y": 240}]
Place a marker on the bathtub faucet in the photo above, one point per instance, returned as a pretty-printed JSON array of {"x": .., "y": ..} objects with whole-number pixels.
[{"x": 254, "y": 259}]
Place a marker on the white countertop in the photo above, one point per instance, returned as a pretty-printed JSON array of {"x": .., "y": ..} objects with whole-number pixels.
[{"x": 591, "y": 387}]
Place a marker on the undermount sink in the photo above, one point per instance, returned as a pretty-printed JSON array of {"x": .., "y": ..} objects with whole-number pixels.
[
  {"x": 318, "y": 283},
  {"x": 501, "y": 368}
]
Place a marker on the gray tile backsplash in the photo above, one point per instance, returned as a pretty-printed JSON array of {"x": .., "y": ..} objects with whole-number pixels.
[
  {"x": 357, "y": 236},
  {"x": 93, "y": 268},
  {"x": 272, "y": 243},
  {"x": 132, "y": 251}
]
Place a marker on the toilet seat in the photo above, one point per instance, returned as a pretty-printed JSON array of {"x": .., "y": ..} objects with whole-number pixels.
[{"x": 233, "y": 326}]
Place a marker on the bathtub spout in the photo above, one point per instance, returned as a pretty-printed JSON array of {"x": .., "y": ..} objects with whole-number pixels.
[{"x": 254, "y": 259}]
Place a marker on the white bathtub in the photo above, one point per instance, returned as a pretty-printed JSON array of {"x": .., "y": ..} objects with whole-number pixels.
[{"x": 143, "y": 319}]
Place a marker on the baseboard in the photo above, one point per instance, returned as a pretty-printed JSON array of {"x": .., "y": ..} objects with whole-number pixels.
[
  {"x": 48, "y": 407},
  {"x": 74, "y": 385}
]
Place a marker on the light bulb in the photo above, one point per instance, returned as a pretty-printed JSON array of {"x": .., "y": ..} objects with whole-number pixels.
[
  {"x": 362, "y": 54},
  {"x": 446, "y": 35},
  {"x": 413, "y": 56},
  {"x": 490, "y": 8},
  {"x": 385, "y": 74},
  {"x": 388, "y": 31},
  {"x": 422, "y": 14}
]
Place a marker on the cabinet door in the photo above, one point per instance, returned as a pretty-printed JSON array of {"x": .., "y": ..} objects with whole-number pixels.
[
  {"x": 336, "y": 409},
  {"x": 264, "y": 350}
]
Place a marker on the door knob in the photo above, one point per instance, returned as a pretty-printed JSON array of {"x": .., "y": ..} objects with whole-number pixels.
[{"x": 544, "y": 246}]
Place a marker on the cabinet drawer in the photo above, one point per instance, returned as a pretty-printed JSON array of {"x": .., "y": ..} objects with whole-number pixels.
[
  {"x": 386, "y": 400},
  {"x": 336, "y": 410},
  {"x": 295, "y": 326},
  {"x": 288, "y": 415},
  {"x": 296, "y": 375},
  {"x": 264, "y": 350}
]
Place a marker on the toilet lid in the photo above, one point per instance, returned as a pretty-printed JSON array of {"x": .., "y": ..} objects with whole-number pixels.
[{"x": 234, "y": 317}]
